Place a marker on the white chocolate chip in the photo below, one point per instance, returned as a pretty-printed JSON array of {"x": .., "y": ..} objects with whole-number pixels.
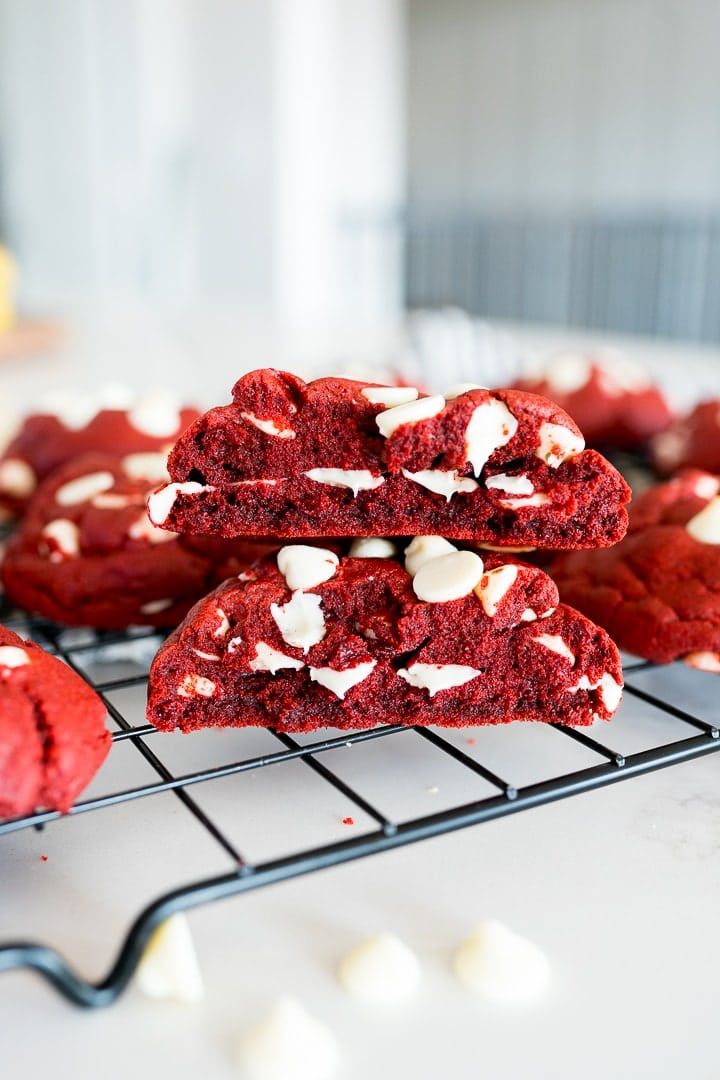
[
  {"x": 423, "y": 548},
  {"x": 206, "y": 655},
  {"x": 528, "y": 615},
  {"x": 458, "y": 389},
  {"x": 143, "y": 529},
  {"x": 539, "y": 499},
  {"x": 670, "y": 447},
  {"x": 12, "y": 656},
  {"x": 556, "y": 644},
  {"x": 300, "y": 622},
  {"x": 339, "y": 682},
  {"x": 381, "y": 971},
  {"x": 355, "y": 479},
  {"x": 235, "y": 643},
  {"x": 169, "y": 967},
  {"x": 269, "y": 427},
  {"x": 706, "y": 486},
  {"x": 567, "y": 373},
  {"x": 111, "y": 500},
  {"x": 499, "y": 965},
  {"x": 448, "y": 577},
  {"x": 224, "y": 626},
  {"x": 17, "y": 478},
  {"x": 491, "y": 426},
  {"x": 389, "y": 396},
  {"x": 372, "y": 547},
  {"x": 494, "y": 586},
  {"x": 546, "y": 614},
  {"x": 514, "y": 485},
  {"x": 557, "y": 444},
  {"x": 64, "y": 537},
  {"x": 705, "y": 526},
  {"x": 410, "y": 413},
  {"x": 154, "y": 607},
  {"x": 288, "y": 1044},
  {"x": 269, "y": 659},
  {"x": 442, "y": 481},
  {"x": 196, "y": 686},
  {"x": 436, "y": 677},
  {"x": 304, "y": 567},
  {"x": 610, "y": 690},
  {"x": 161, "y": 503},
  {"x": 155, "y": 415},
  {"x": 702, "y": 661},
  {"x": 146, "y": 466},
  {"x": 84, "y": 488}
]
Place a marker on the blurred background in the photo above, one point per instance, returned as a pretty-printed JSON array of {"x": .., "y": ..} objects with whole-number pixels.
[{"x": 192, "y": 188}]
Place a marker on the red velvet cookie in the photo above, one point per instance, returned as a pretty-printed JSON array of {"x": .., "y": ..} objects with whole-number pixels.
[
  {"x": 47, "y": 441},
  {"x": 86, "y": 554},
  {"x": 52, "y": 730},
  {"x": 340, "y": 458},
  {"x": 612, "y": 400},
  {"x": 307, "y": 640},
  {"x": 658, "y": 592},
  {"x": 691, "y": 442}
]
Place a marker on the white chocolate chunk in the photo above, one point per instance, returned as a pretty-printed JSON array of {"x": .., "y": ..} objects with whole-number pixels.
[
  {"x": 224, "y": 624},
  {"x": 111, "y": 500},
  {"x": 381, "y": 970},
  {"x": 235, "y": 643},
  {"x": 146, "y": 466},
  {"x": 567, "y": 373},
  {"x": 300, "y": 621},
  {"x": 65, "y": 536},
  {"x": 12, "y": 656},
  {"x": 514, "y": 485},
  {"x": 355, "y": 479},
  {"x": 705, "y": 526},
  {"x": 491, "y": 426},
  {"x": 448, "y": 577},
  {"x": 339, "y": 682},
  {"x": 154, "y": 607},
  {"x": 528, "y": 615},
  {"x": 144, "y": 529},
  {"x": 390, "y": 396},
  {"x": 169, "y": 967},
  {"x": 546, "y": 614},
  {"x": 156, "y": 415},
  {"x": 410, "y": 413},
  {"x": 269, "y": 659},
  {"x": 372, "y": 547},
  {"x": 556, "y": 644},
  {"x": 502, "y": 966},
  {"x": 494, "y": 586},
  {"x": 558, "y": 444},
  {"x": 196, "y": 686},
  {"x": 539, "y": 499},
  {"x": 442, "y": 481},
  {"x": 269, "y": 427},
  {"x": 670, "y": 447},
  {"x": 17, "y": 478},
  {"x": 702, "y": 661},
  {"x": 706, "y": 486},
  {"x": 288, "y": 1044},
  {"x": 161, "y": 503},
  {"x": 304, "y": 567},
  {"x": 436, "y": 677},
  {"x": 84, "y": 488},
  {"x": 458, "y": 389},
  {"x": 206, "y": 655},
  {"x": 423, "y": 548},
  {"x": 610, "y": 690}
]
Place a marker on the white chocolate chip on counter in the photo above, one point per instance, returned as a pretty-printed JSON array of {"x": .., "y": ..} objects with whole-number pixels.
[
  {"x": 436, "y": 677},
  {"x": 288, "y": 1044},
  {"x": 372, "y": 547},
  {"x": 161, "y": 503},
  {"x": 63, "y": 539},
  {"x": 410, "y": 413},
  {"x": 83, "y": 488},
  {"x": 491, "y": 426},
  {"x": 502, "y": 966},
  {"x": 448, "y": 577},
  {"x": 339, "y": 682},
  {"x": 555, "y": 644},
  {"x": 268, "y": 427},
  {"x": 458, "y": 389},
  {"x": 423, "y": 548},
  {"x": 701, "y": 661},
  {"x": 196, "y": 686},
  {"x": 538, "y": 499},
  {"x": 12, "y": 656},
  {"x": 224, "y": 625},
  {"x": 146, "y": 466},
  {"x": 513, "y": 485},
  {"x": 269, "y": 659},
  {"x": 154, "y": 607},
  {"x": 442, "y": 481},
  {"x": 558, "y": 444},
  {"x": 705, "y": 526},
  {"x": 157, "y": 415},
  {"x": 389, "y": 396},
  {"x": 355, "y": 479},
  {"x": 169, "y": 967},
  {"x": 301, "y": 621},
  {"x": 381, "y": 970},
  {"x": 17, "y": 478},
  {"x": 304, "y": 567},
  {"x": 494, "y": 586}
]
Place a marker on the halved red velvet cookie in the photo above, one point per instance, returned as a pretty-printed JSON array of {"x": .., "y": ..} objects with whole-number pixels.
[
  {"x": 692, "y": 442},
  {"x": 52, "y": 730},
  {"x": 341, "y": 458},
  {"x": 309, "y": 639}
]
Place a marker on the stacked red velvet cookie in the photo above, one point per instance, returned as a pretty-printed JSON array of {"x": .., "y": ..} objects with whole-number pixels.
[{"x": 414, "y": 631}]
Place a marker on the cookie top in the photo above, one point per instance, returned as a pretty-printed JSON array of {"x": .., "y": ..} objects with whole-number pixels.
[
  {"x": 336, "y": 457},
  {"x": 310, "y": 639},
  {"x": 52, "y": 729},
  {"x": 658, "y": 592},
  {"x": 86, "y": 553},
  {"x": 613, "y": 400},
  {"x": 691, "y": 442},
  {"x": 47, "y": 440}
]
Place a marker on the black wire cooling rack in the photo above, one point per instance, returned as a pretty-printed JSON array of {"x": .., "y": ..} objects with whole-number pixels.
[{"x": 702, "y": 738}]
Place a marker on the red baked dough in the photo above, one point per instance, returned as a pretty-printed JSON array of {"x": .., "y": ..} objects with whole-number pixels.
[{"x": 691, "y": 442}]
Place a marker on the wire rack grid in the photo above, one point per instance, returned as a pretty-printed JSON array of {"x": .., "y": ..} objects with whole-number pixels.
[{"x": 700, "y": 736}]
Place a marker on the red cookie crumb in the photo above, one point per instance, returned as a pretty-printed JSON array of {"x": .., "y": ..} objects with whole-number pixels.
[{"x": 348, "y": 821}]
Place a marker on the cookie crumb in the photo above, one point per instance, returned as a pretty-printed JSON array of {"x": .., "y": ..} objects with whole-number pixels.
[
  {"x": 43, "y": 858},
  {"x": 348, "y": 821}
]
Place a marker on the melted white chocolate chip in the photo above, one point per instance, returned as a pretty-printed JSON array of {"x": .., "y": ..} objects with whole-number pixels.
[
  {"x": 269, "y": 659},
  {"x": 389, "y": 396},
  {"x": 65, "y": 538},
  {"x": 442, "y": 481},
  {"x": 491, "y": 426},
  {"x": 705, "y": 526},
  {"x": 494, "y": 585},
  {"x": 436, "y": 677},
  {"x": 558, "y": 444},
  {"x": 161, "y": 503},
  {"x": 304, "y": 566},
  {"x": 301, "y": 622},
  {"x": 513, "y": 485},
  {"x": 196, "y": 686},
  {"x": 448, "y": 577},
  {"x": 268, "y": 427},
  {"x": 12, "y": 656},
  {"x": 423, "y": 548},
  {"x": 355, "y": 479},
  {"x": 83, "y": 488},
  {"x": 410, "y": 413},
  {"x": 556, "y": 644},
  {"x": 340, "y": 682}
]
